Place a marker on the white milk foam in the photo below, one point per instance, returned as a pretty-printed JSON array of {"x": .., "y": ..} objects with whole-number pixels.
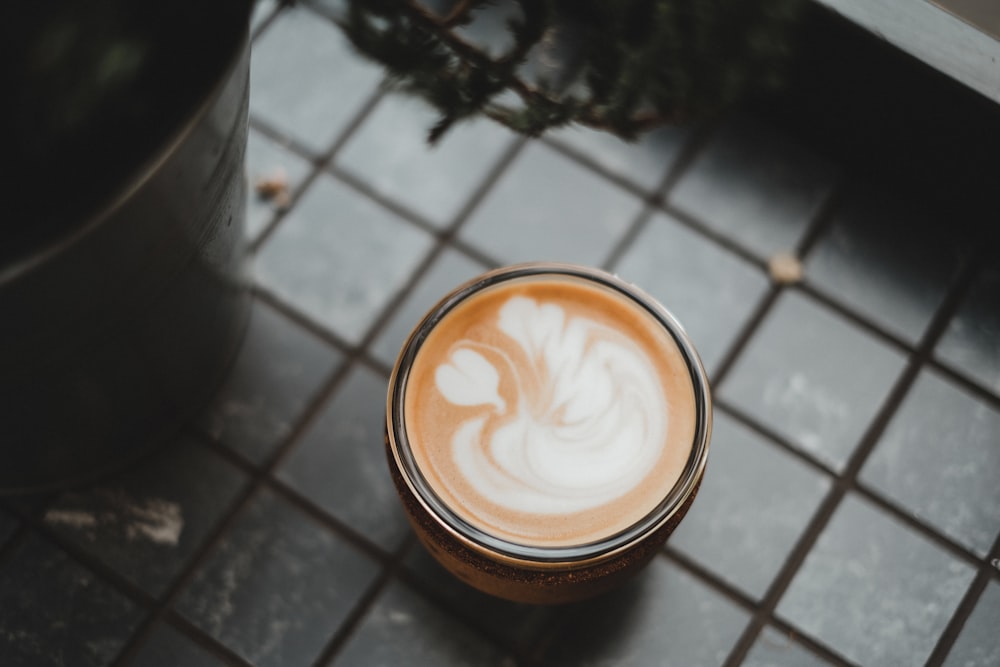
[{"x": 589, "y": 422}]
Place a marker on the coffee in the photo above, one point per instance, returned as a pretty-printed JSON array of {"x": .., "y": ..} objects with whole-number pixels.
[{"x": 547, "y": 414}]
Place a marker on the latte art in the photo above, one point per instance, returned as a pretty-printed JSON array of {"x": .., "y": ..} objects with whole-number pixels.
[
  {"x": 549, "y": 411},
  {"x": 569, "y": 413}
]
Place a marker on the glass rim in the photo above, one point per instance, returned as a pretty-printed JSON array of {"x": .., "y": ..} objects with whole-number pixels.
[{"x": 422, "y": 490}]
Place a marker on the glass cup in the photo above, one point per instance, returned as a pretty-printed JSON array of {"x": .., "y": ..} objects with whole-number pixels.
[{"x": 537, "y": 571}]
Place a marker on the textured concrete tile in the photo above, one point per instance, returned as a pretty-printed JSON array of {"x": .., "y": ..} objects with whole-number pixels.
[
  {"x": 450, "y": 270},
  {"x": 753, "y": 505},
  {"x": 278, "y": 586},
  {"x": 340, "y": 461},
  {"x": 940, "y": 459},
  {"x": 775, "y": 649},
  {"x": 403, "y": 629},
  {"x": 978, "y": 644},
  {"x": 277, "y": 373},
  {"x": 751, "y": 184},
  {"x": 268, "y": 159},
  {"x": 970, "y": 343},
  {"x": 665, "y": 617},
  {"x": 390, "y": 153},
  {"x": 515, "y": 624},
  {"x": 340, "y": 257},
  {"x": 813, "y": 377},
  {"x": 55, "y": 612},
  {"x": 710, "y": 290},
  {"x": 305, "y": 80},
  {"x": 873, "y": 590},
  {"x": 644, "y": 162},
  {"x": 166, "y": 647},
  {"x": 147, "y": 522},
  {"x": 546, "y": 207},
  {"x": 890, "y": 261}
]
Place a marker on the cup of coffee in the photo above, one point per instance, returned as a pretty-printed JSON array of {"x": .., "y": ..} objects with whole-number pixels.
[{"x": 547, "y": 428}]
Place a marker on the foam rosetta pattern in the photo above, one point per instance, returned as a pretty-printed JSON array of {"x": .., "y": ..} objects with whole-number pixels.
[{"x": 568, "y": 414}]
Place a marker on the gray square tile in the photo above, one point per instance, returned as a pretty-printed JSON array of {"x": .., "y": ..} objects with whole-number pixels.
[
  {"x": 812, "y": 377},
  {"x": 753, "y": 505},
  {"x": 971, "y": 343},
  {"x": 267, "y": 158},
  {"x": 978, "y": 644},
  {"x": 340, "y": 462},
  {"x": 278, "y": 586},
  {"x": 546, "y": 207},
  {"x": 277, "y": 373},
  {"x": 754, "y": 186},
  {"x": 450, "y": 270},
  {"x": 710, "y": 290},
  {"x": 515, "y": 624},
  {"x": 873, "y": 590},
  {"x": 55, "y": 612},
  {"x": 390, "y": 153},
  {"x": 887, "y": 259},
  {"x": 147, "y": 522},
  {"x": 166, "y": 647},
  {"x": 340, "y": 257},
  {"x": 940, "y": 459},
  {"x": 664, "y": 617},
  {"x": 775, "y": 649},
  {"x": 644, "y": 162},
  {"x": 305, "y": 79},
  {"x": 403, "y": 629}
]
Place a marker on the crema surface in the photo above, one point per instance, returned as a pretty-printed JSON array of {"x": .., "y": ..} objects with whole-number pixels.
[{"x": 550, "y": 411}]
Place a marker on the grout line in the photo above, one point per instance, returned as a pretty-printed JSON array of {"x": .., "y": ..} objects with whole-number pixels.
[
  {"x": 870, "y": 493},
  {"x": 346, "y": 628},
  {"x": 972, "y": 386},
  {"x": 728, "y": 590},
  {"x": 858, "y": 320},
  {"x": 103, "y": 571},
  {"x": 293, "y": 497},
  {"x": 746, "y": 332},
  {"x": 162, "y": 606},
  {"x": 206, "y": 641},
  {"x": 773, "y": 437},
  {"x": 954, "y": 628},
  {"x": 321, "y": 162},
  {"x": 573, "y": 154},
  {"x": 823, "y": 218},
  {"x": 747, "y": 602},
  {"x": 442, "y": 237},
  {"x": 302, "y": 320},
  {"x": 228, "y": 519},
  {"x": 846, "y": 480},
  {"x": 425, "y": 588},
  {"x": 263, "y": 475},
  {"x": 651, "y": 201}
]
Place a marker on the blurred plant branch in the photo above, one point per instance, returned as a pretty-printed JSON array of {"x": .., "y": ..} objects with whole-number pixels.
[{"x": 623, "y": 66}]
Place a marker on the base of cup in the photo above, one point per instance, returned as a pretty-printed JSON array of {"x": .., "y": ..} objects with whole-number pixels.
[{"x": 530, "y": 582}]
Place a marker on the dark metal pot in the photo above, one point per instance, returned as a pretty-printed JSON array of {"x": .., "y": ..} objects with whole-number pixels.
[{"x": 112, "y": 337}]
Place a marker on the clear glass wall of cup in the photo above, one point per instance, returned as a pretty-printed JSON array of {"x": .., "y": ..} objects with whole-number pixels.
[{"x": 518, "y": 569}]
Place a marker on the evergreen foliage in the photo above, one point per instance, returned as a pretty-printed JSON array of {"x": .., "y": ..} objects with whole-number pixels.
[{"x": 618, "y": 65}]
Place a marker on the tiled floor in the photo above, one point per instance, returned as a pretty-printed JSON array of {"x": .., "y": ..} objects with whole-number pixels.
[{"x": 851, "y": 509}]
